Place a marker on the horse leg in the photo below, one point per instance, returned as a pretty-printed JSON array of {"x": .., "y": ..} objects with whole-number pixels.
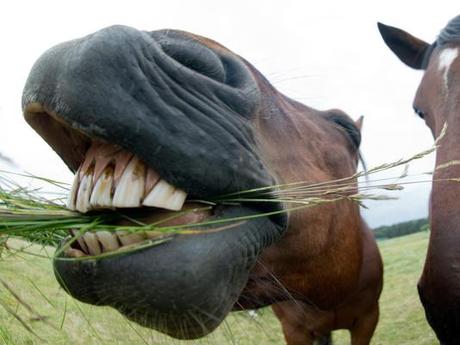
[
  {"x": 302, "y": 326},
  {"x": 364, "y": 328},
  {"x": 290, "y": 316},
  {"x": 295, "y": 335}
]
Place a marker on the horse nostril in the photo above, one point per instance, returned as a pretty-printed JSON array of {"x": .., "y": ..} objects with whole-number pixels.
[{"x": 196, "y": 57}]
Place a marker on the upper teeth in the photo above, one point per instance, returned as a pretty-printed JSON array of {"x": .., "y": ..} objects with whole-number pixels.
[
  {"x": 102, "y": 190},
  {"x": 111, "y": 177},
  {"x": 130, "y": 189}
]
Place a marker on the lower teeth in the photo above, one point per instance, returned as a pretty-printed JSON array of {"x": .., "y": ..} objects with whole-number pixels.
[
  {"x": 96, "y": 243},
  {"x": 74, "y": 253}
]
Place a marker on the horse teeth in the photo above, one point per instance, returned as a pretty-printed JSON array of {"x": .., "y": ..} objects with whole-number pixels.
[
  {"x": 102, "y": 191},
  {"x": 177, "y": 200},
  {"x": 73, "y": 193},
  {"x": 84, "y": 193},
  {"x": 111, "y": 177},
  {"x": 80, "y": 240},
  {"x": 127, "y": 238},
  {"x": 108, "y": 240},
  {"x": 130, "y": 188},
  {"x": 160, "y": 193},
  {"x": 164, "y": 195},
  {"x": 74, "y": 253},
  {"x": 99, "y": 242},
  {"x": 92, "y": 243},
  {"x": 151, "y": 180}
]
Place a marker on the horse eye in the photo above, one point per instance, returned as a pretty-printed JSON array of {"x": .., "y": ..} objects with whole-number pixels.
[{"x": 419, "y": 112}]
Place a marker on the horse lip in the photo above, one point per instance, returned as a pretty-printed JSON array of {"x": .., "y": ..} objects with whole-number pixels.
[{"x": 208, "y": 270}]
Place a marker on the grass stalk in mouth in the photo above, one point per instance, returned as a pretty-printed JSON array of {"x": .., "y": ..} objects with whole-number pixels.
[{"x": 39, "y": 217}]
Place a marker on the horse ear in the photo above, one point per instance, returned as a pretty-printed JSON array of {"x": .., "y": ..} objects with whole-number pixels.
[
  {"x": 359, "y": 123},
  {"x": 408, "y": 49}
]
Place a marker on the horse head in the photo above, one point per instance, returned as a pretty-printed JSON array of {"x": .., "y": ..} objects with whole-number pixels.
[{"x": 151, "y": 122}]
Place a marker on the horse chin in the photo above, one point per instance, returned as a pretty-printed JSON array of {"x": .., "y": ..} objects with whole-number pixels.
[{"x": 184, "y": 286}]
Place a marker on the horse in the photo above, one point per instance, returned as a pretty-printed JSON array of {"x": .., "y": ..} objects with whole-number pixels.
[
  {"x": 150, "y": 122},
  {"x": 437, "y": 102}
]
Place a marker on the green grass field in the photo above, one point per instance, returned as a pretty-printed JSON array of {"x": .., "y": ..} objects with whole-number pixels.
[{"x": 65, "y": 321}]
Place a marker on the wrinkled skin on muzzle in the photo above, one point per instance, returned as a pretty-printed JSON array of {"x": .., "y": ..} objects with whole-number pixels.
[
  {"x": 163, "y": 96},
  {"x": 184, "y": 105}
]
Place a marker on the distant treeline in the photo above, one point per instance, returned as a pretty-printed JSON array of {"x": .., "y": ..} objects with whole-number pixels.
[{"x": 401, "y": 229}]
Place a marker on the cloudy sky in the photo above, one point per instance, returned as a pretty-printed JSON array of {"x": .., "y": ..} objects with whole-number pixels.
[{"x": 327, "y": 54}]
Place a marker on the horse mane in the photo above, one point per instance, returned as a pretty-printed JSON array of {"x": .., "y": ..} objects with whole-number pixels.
[{"x": 451, "y": 33}]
